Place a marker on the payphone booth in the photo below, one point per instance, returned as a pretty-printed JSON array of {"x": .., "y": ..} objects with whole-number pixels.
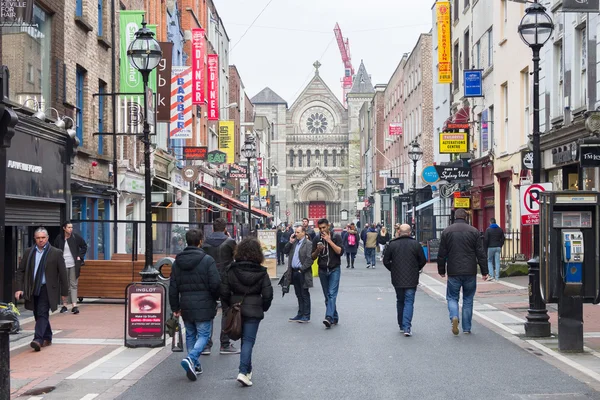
[{"x": 569, "y": 259}]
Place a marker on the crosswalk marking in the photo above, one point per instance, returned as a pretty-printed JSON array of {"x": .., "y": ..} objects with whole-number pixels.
[{"x": 89, "y": 396}]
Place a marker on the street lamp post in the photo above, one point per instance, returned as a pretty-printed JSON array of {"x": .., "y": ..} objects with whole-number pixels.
[
  {"x": 144, "y": 54},
  {"x": 249, "y": 152},
  {"x": 535, "y": 29},
  {"x": 415, "y": 154}
]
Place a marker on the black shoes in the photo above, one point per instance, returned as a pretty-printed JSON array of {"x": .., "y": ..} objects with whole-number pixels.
[
  {"x": 63, "y": 310},
  {"x": 75, "y": 310},
  {"x": 327, "y": 322}
]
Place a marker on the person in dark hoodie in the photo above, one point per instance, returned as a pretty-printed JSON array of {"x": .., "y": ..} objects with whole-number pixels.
[
  {"x": 247, "y": 281},
  {"x": 493, "y": 240},
  {"x": 193, "y": 294},
  {"x": 221, "y": 247}
]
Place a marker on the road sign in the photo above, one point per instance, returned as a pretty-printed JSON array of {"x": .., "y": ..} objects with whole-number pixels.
[
  {"x": 530, "y": 202},
  {"x": 287, "y": 213},
  {"x": 385, "y": 173}
]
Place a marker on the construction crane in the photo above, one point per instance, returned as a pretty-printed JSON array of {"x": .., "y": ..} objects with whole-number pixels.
[{"x": 348, "y": 69}]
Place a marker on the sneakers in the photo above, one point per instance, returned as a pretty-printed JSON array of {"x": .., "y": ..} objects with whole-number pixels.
[
  {"x": 244, "y": 379},
  {"x": 297, "y": 318},
  {"x": 467, "y": 332},
  {"x": 327, "y": 323},
  {"x": 229, "y": 350},
  {"x": 348, "y": 266},
  {"x": 401, "y": 330},
  {"x": 368, "y": 265},
  {"x": 198, "y": 370},
  {"x": 206, "y": 351},
  {"x": 189, "y": 368},
  {"x": 408, "y": 333},
  {"x": 75, "y": 310},
  {"x": 63, "y": 310},
  {"x": 455, "y": 325},
  {"x": 304, "y": 320}
]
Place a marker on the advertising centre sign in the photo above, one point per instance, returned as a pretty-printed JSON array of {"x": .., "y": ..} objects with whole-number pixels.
[{"x": 530, "y": 202}]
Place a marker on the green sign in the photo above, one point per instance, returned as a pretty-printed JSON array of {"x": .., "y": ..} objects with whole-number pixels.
[
  {"x": 217, "y": 157},
  {"x": 362, "y": 192},
  {"x": 131, "y": 79}
]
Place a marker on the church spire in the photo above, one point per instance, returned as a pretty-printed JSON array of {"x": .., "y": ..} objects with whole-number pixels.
[
  {"x": 316, "y": 64},
  {"x": 362, "y": 81}
]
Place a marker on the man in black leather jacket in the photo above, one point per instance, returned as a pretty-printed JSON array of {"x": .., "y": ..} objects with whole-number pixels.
[
  {"x": 461, "y": 249},
  {"x": 493, "y": 240}
]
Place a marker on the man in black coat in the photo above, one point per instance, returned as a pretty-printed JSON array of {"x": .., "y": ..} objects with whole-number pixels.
[
  {"x": 493, "y": 240},
  {"x": 41, "y": 278},
  {"x": 404, "y": 258},
  {"x": 193, "y": 294},
  {"x": 461, "y": 249},
  {"x": 221, "y": 247},
  {"x": 299, "y": 272},
  {"x": 74, "y": 249}
]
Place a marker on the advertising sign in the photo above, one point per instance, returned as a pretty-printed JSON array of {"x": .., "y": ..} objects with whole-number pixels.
[
  {"x": 150, "y": 117},
  {"x": 237, "y": 171},
  {"x": 452, "y": 173},
  {"x": 195, "y": 152},
  {"x": 181, "y": 103},
  {"x": 198, "y": 66},
  {"x": 227, "y": 139},
  {"x": 259, "y": 162},
  {"x": 444, "y": 51},
  {"x": 131, "y": 79},
  {"x": 430, "y": 174},
  {"x": 530, "y": 202},
  {"x": 145, "y": 315},
  {"x": 395, "y": 129},
  {"x": 190, "y": 174},
  {"x": 268, "y": 243},
  {"x": 589, "y": 155},
  {"x": 217, "y": 157},
  {"x": 473, "y": 82},
  {"x": 527, "y": 159},
  {"x": 394, "y": 182},
  {"x": 484, "y": 131},
  {"x": 213, "y": 87},
  {"x": 163, "y": 94},
  {"x": 16, "y": 12},
  {"x": 581, "y": 6},
  {"x": 385, "y": 173},
  {"x": 454, "y": 142},
  {"x": 462, "y": 202}
]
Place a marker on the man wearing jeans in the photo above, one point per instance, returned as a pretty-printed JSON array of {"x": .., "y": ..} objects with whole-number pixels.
[
  {"x": 493, "y": 240},
  {"x": 328, "y": 250},
  {"x": 461, "y": 249},
  {"x": 193, "y": 294},
  {"x": 404, "y": 258}
]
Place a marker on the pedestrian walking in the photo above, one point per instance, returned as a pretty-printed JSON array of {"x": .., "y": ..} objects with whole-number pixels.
[
  {"x": 41, "y": 280},
  {"x": 328, "y": 249},
  {"x": 221, "y": 248},
  {"x": 461, "y": 249},
  {"x": 363, "y": 233},
  {"x": 193, "y": 295},
  {"x": 382, "y": 239},
  {"x": 310, "y": 232},
  {"x": 404, "y": 258},
  {"x": 299, "y": 271},
  {"x": 74, "y": 249},
  {"x": 246, "y": 281},
  {"x": 280, "y": 245},
  {"x": 493, "y": 240},
  {"x": 350, "y": 239},
  {"x": 371, "y": 246}
]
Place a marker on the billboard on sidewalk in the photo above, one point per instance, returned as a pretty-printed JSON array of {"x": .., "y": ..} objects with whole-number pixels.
[
  {"x": 227, "y": 139},
  {"x": 268, "y": 243},
  {"x": 444, "y": 52},
  {"x": 145, "y": 315},
  {"x": 198, "y": 66},
  {"x": 213, "y": 87},
  {"x": 181, "y": 103}
]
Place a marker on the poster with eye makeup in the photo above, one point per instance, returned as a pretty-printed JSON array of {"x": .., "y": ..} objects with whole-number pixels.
[{"x": 145, "y": 315}]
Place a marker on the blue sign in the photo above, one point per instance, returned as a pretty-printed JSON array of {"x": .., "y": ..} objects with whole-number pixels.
[
  {"x": 430, "y": 175},
  {"x": 473, "y": 82}
]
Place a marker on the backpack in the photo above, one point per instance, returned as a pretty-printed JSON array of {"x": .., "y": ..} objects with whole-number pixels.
[{"x": 351, "y": 239}]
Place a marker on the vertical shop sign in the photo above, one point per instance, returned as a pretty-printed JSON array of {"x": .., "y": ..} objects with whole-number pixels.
[
  {"x": 181, "y": 103},
  {"x": 213, "y": 87},
  {"x": 163, "y": 95},
  {"x": 227, "y": 139},
  {"x": 198, "y": 67},
  {"x": 442, "y": 12}
]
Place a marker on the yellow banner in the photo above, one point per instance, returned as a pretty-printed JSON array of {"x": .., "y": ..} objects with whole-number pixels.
[
  {"x": 462, "y": 202},
  {"x": 227, "y": 140},
  {"x": 263, "y": 192},
  {"x": 454, "y": 142},
  {"x": 442, "y": 13}
]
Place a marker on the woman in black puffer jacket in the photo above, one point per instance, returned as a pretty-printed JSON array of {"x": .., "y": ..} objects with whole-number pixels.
[{"x": 247, "y": 281}]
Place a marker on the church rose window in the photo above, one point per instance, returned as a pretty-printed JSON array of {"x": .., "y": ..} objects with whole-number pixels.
[{"x": 317, "y": 123}]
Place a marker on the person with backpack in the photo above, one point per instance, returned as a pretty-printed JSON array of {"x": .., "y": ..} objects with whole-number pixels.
[
  {"x": 221, "y": 247},
  {"x": 350, "y": 239}
]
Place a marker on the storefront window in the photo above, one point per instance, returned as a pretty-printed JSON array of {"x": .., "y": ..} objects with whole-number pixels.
[
  {"x": 26, "y": 52},
  {"x": 555, "y": 176},
  {"x": 590, "y": 179},
  {"x": 508, "y": 210}
]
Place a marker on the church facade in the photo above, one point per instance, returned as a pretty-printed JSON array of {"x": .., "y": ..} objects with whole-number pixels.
[{"x": 314, "y": 152}]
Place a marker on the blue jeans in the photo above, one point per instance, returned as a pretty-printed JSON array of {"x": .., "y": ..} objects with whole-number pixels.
[
  {"x": 330, "y": 282},
  {"x": 370, "y": 256},
  {"x": 405, "y": 301},
  {"x": 469, "y": 287},
  {"x": 494, "y": 258},
  {"x": 197, "y": 335},
  {"x": 249, "y": 331}
]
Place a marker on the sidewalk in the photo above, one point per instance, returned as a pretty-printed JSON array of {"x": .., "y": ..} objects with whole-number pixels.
[
  {"x": 503, "y": 306},
  {"x": 87, "y": 356}
]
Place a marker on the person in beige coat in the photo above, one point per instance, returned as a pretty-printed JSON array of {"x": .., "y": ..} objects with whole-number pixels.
[{"x": 370, "y": 247}]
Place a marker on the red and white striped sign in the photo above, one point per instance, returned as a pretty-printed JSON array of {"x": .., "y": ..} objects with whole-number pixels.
[
  {"x": 181, "y": 103},
  {"x": 198, "y": 67},
  {"x": 213, "y": 87}
]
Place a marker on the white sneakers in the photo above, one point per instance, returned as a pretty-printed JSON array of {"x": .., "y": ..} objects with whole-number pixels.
[{"x": 245, "y": 379}]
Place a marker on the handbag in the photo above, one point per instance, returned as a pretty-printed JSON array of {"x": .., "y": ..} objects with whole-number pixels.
[
  {"x": 173, "y": 327},
  {"x": 233, "y": 323}
]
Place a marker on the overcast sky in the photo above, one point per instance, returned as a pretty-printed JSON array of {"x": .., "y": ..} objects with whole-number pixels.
[{"x": 279, "y": 49}]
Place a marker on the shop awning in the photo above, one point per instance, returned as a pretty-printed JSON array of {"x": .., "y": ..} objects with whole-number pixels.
[
  {"x": 426, "y": 204},
  {"x": 236, "y": 203},
  {"x": 206, "y": 201}
]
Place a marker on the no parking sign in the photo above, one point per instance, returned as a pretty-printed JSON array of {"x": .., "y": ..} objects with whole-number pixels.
[{"x": 530, "y": 202}]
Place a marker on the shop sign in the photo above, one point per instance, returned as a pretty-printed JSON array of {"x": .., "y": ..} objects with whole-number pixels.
[
  {"x": 527, "y": 157},
  {"x": 452, "y": 173},
  {"x": 15, "y": 12},
  {"x": 263, "y": 192},
  {"x": 227, "y": 139},
  {"x": 430, "y": 174},
  {"x": 237, "y": 171},
  {"x": 489, "y": 202},
  {"x": 145, "y": 315},
  {"x": 213, "y": 87},
  {"x": 190, "y": 174},
  {"x": 361, "y": 192},
  {"x": 217, "y": 157},
  {"x": 455, "y": 142},
  {"x": 395, "y": 129},
  {"x": 444, "y": 52},
  {"x": 462, "y": 202},
  {"x": 564, "y": 154},
  {"x": 589, "y": 155},
  {"x": 195, "y": 152},
  {"x": 163, "y": 94},
  {"x": 473, "y": 82},
  {"x": 395, "y": 182},
  {"x": 133, "y": 185},
  {"x": 181, "y": 103},
  {"x": 592, "y": 6},
  {"x": 198, "y": 67},
  {"x": 484, "y": 131},
  {"x": 476, "y": 201}
]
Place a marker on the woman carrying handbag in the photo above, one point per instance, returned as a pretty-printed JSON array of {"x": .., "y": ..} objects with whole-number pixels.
[
  {"x": 382, "y": 240},
  {"x": 246, "y": 281}
]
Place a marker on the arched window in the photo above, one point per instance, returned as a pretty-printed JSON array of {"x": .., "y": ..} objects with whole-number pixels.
[
  {"x": 317, "y": 158},
  {"x": 342, "y": 158},
  {"x": 291, "y": 158},
  {"x": 308, "y": 158},
  {"x": 334, "y": 163},
  {"x": 300, "y": 158},
  {"x": 325, "y": 155}
]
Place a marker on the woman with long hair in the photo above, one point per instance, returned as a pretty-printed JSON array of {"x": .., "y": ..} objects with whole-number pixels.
[
  {"x": 382, "y": 239},
  {"x": 246, "y": 281}
]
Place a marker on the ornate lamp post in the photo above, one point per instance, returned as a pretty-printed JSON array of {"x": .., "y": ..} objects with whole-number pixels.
[
  {"x": 249, "y": 152},
  {"x": 535, "y": 29},
  {"x": 415, "y": 154},
  {"x": 144, "y": 54}
]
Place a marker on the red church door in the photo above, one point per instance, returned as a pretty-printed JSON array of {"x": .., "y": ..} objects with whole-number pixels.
[{"x": 317, "y": 210}]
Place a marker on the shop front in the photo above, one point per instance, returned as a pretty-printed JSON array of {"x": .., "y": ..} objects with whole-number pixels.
[{"x": 482, "y": 193}]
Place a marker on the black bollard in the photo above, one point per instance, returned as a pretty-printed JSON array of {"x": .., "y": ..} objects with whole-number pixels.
[{"x": 5, "y": 327}]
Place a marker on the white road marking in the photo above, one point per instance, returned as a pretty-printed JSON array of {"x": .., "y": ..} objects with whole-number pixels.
[
  {"x": 566, "y": 360},
  {"x": 26, "y": 340},
  {"x": 136, "y": 364},
  {"x": 90, "y": 396},
  {"x": 35, "y": 398},
  {"x": 502, "y": 282},
  {"x": 97, "y": 363},
  {"x": 90, "y": 341}
]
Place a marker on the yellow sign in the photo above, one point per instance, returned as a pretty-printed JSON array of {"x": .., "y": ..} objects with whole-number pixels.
[
  {"x": 227, "y": 140},
  {"x": 263, "y": 192},
  {"x": 462, "y": 202},
  {"x": 454, "y": 142},
  {"x": 444, "y": 51}
]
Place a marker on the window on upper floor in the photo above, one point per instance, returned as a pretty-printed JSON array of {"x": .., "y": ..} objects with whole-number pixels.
[
  {"x": 334, "y": 160},
  {"x": 79, "y": 8},
  {"x": 29, "y": 73},
  {"x": 467, "y": 2},
  {"x": 466, "y": 50},
  {"x": 478, "y": 55},
  {"x": 558, "y": 100},
  {"x": 342, "y": 158},
  {"x": 525, "y": 89},
  {"x": 79, "y": 110},
  {"x": 291, "y": 158},
  {"x": 456, "y": 8},
  {"x": 325, "y": 157},
  {"x": 300, "y": 158},
  {"x": 490, "y": 44},
  {"x": 504, "y": 18},
  {"x": 308, "y": 158},
  {"x": 505, "y": 103},
  {"x": 101, "y": 114},
  {"x": 455, "y": 78},
  {"x": 100, "y": 17},
  {"x": 581, "y": 66}
]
